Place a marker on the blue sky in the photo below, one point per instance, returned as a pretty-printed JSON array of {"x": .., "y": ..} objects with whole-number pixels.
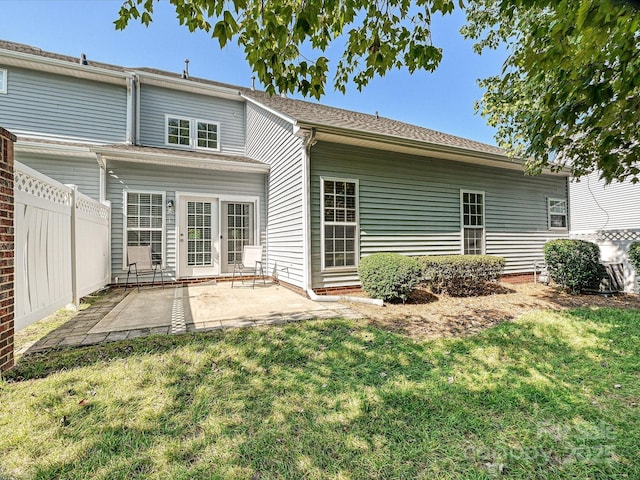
[{"x": 442, "y": 100}]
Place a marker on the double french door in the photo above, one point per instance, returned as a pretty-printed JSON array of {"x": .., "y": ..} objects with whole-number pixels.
[{"x": 212, "y": 234}]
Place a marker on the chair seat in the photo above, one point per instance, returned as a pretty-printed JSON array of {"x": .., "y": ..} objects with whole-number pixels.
[
  {"x": 251, "y": 263},
  {"x": 140, "y": 260}
]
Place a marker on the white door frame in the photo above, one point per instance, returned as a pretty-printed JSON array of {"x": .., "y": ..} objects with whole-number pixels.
[{"x": 221, "y": 198}]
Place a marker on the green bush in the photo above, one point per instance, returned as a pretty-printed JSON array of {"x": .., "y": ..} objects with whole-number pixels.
[
  {"x": 460, "y": 275},
  {"x": 573, "y": 264},
  {"x": 389, "y": 276},
  {"x": 634, "y": 255}
]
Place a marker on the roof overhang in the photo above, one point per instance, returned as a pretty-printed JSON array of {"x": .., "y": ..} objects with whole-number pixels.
[
  {"x": 61, "y": 149},
  {"x": 416, "y": 147},
  {"x": 62, "y": 67},
  {"x": 187, "y": 85},
  {"x": 178, "y": 159}
]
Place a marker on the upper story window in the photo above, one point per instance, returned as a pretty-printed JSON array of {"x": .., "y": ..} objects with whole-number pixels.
[
  {"x": 3, "y": 81},
  {"x": 192, "y": 133},
  {"x": 339, "y": 223},
  {"x": 557, "y": 211},
  {"x": 472, "y": 209}
]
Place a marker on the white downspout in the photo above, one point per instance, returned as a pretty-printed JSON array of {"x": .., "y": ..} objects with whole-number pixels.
[
  {"x": 129, "y": 132},
  {"x": 308, "y": 142},
  {"x": 136, "y": 82}
]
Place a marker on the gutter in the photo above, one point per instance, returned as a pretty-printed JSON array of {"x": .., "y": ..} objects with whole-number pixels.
[
  {"x": 309, "y": 139},
  {"x": 177, "y": 160},
  {"x": 62, "y": 67},
  {"x": 188, "y": 85}
]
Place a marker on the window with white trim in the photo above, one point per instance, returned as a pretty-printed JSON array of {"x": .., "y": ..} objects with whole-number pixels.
[
  {"x": 190, "y": 132},
  {"x": 472, "y": 213},
  {"x": 339, "y": 214},
  {"x": 3, "y": 81},
  {"x": 557, "y": 211},
  {"x": 145, "y": 222},
  {"x": 178, "y": 131}
]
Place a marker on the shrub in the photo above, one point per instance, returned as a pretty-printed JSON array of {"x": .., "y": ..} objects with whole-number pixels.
[
  {"x": 573, "y": 264},
  {"x": 389, "y": 276},
  {"x": 461, "y": 275},
  {"x": 634, "y": 255}
]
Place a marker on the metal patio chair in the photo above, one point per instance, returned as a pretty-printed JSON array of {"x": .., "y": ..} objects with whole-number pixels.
[
  {"x": 251, "y": 263},
  {"x": 140, "y": 260}
]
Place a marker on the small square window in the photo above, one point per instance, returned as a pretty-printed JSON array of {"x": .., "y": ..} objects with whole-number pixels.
[
  {"x": 178, "y": 131},
  {"x": 3, "y": 81}
]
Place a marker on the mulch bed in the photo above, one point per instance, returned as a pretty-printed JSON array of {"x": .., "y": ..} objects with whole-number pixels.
[{"x": 426, "y": 315}]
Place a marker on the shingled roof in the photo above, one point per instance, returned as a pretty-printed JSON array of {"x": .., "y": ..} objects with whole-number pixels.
[
  {"x": 303, "y": 112},
  {"x": 315, "y": 113}
]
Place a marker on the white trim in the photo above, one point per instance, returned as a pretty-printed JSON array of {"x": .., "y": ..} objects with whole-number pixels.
[
  {"x": 277, "y": 113},
  {"x": 255, "y": 200},
  {"x": 566, "y": 213},
  {"x": 187, "y": 85},
  {"x": 27, "y": 135},
  {"x": 125, "y": 193},
  {"x": 5, "y": 80},
  {"x": 193, "y": 133},
  {"x": 355, "y": 224},
  {"x": 63, "y": 67},
  {"x": 168, "y": 116},
  {"x": 463, "y": 226},
  {"x": 181, "y": 159}
]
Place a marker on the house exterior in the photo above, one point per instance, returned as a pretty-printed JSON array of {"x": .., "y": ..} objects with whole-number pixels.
[
  {"x": 608, "y": 215},
  {"x": 197, "y": 169}
]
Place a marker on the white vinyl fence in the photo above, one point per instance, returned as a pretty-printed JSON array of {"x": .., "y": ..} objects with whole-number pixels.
[
  {"x": 614, "y": 247},
  {"x": 62, "y": 245}
]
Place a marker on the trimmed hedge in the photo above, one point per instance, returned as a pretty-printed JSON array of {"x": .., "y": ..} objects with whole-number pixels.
[
  {"x": 461, "y": 275},
  {"x": 573, "y": 264},
  {"x": 389, "y": 276},
  {"x": 634, "y": 255}
]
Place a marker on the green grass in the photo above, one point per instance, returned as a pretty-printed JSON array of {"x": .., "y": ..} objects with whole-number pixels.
[{"x": 551, "y": 395}]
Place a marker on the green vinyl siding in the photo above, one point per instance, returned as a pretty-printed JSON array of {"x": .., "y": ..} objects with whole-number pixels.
[{"x": 411, "y": 205}]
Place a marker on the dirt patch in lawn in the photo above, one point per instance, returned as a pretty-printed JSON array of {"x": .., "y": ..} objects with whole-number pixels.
[{"x": 426, "y": 315}]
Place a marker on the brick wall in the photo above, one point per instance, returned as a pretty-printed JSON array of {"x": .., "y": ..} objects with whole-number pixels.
[{"x": 6, "y": 249}]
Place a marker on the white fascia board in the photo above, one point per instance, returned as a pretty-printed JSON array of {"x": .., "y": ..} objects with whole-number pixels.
[
  {"x": 421, "y": 148},
  {"x": 62, "y": 67},
  {"x": 79, "y": 151},
  {"x": 177, "y": 160},
  {"x": 278, "y": 114},
  {"x": 186, "y": 85}
]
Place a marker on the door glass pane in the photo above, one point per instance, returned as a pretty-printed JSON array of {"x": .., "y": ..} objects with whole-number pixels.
[
  {"x": 199, "y": 243},
  {"x": 239, "y": 231}
]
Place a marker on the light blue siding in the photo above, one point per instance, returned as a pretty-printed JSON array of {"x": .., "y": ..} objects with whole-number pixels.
[
  {"x": 270, "y": 139},
  {"x": 129, "y": 176},
  {"x": 83, "y": 172},
  {"x": 156, "y": 102},
  {"x": 411, "y": 205},
  {"x": 56, "y": 105}
]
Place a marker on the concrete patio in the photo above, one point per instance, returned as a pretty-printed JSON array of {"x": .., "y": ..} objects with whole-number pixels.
[{"x": 178, "y": 309}]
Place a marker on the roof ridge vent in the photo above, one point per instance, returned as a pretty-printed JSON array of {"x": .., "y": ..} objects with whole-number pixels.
[{"x": 83, "y": 59}]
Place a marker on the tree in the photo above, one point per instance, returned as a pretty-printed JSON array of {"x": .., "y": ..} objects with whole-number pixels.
[
  {"x": 379, "y": 35},
  {"x": 569, "y": 91}
]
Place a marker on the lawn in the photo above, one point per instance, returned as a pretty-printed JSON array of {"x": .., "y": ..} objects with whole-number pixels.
[{"x": 547, "y": 395}]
